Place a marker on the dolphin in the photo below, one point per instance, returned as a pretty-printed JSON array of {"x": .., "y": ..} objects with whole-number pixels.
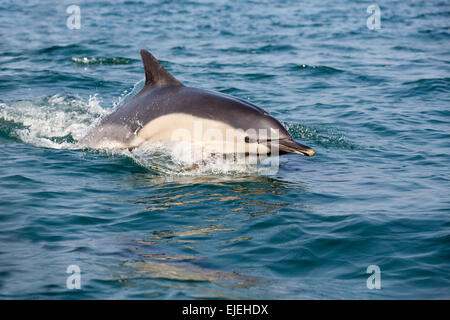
[{"x": 165, "y": 109}]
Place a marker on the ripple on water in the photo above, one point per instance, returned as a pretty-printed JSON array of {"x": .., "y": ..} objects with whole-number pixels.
[{"x": 101, "y": 61}]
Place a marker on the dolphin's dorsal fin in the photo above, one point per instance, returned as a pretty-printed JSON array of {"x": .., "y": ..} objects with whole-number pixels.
[{"x": 155, "y": 74}]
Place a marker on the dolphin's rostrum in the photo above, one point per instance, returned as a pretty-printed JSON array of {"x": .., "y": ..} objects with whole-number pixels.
[{"x": 165, "y": 108}]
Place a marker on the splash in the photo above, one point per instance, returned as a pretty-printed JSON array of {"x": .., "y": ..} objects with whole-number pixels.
[
  {"x": 323, "y": 136},
  {"x": 127, "y": 94},
  {"x": 53, "y": 122},
  {"x": 177, "y": 158}
]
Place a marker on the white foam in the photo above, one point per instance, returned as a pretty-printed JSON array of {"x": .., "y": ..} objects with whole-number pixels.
[
  {"x": 53, "y": 122},
  {"x": 184, "y": 159}
]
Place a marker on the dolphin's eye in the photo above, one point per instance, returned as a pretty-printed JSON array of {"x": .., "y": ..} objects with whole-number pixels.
[{"x": 256, "y": 140}]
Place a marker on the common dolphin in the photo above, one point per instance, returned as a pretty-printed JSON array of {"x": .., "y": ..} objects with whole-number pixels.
[{"x": 165, "y": 108}]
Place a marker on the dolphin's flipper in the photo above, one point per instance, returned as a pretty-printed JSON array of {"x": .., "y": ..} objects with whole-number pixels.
[{"x": 155, "y": 74}]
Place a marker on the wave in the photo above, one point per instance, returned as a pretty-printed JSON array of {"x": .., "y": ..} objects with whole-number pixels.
[
  {"x": 101, "y": 61},
  {"x": 315, "y": 70},
  {"x": 269, "y": 48},
  {"x": 428, "y": 85}
]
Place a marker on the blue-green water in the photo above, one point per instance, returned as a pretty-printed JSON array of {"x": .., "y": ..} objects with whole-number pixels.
[{"x": 374, "y": 105}]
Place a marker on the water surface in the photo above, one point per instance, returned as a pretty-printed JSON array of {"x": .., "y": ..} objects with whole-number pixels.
[{"x": 374, "y": 105}]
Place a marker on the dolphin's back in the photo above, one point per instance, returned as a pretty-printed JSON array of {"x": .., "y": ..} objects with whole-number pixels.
[{"x": 151, "y": 104}]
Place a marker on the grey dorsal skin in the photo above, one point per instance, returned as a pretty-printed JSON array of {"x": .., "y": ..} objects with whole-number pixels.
[{"x": 165, "y": 104}]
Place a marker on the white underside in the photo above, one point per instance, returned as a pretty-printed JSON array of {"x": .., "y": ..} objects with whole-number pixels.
[{"x": 209, "y": 136}]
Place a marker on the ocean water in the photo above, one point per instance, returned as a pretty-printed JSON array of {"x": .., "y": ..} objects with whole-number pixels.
[{"x": 373, "y": 104}]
